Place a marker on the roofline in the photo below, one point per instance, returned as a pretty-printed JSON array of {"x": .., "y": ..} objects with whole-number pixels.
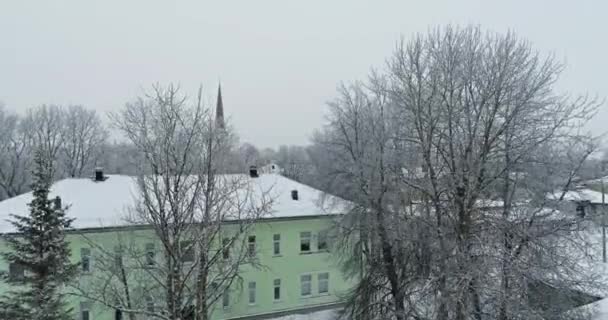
[{"x": 229, "y": 222}]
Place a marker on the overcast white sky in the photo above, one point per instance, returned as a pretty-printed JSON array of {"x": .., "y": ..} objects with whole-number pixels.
[{"x": 279, "y": 61}]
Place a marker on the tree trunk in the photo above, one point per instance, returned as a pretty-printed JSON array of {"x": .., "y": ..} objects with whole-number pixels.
[{"x": 391, "y": 270}]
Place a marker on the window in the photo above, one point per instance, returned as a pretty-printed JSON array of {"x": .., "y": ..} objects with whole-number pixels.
[
  {"x": 322, "y": 241},
  {"x": 251, "y": 246},
  {"x": 16, "y": 272},
  {"x": 276, "y": 244},
  {"x": 305, "y": 241},
  {"x": 251, "y": 288},
  {"x": 149, "y": 304},
  {"x": 84, "y": 311},
  {"x": 277, "y": 289},
  {"x": 187, "y": 251},
  {"x": 118, "y": 257},
  {"x": 117, "y": 314},
  {"x": 323, "y": 282},
  {"x": 150, "y": 254},
  {"x": 85, "y": 259},
  {"x": 226, "y": 248},
  {"x": 305, "y": 285},
  {"x": 226, "y": 299}
]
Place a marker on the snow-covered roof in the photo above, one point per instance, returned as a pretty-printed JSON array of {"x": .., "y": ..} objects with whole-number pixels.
[
  {"x": 583, "y": 194},
  {"x": 104, "y": 204},
  {"x": 598, "y": 309}
]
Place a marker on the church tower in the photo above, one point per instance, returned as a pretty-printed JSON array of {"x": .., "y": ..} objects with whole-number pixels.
[{"x": 219, "y": 109}]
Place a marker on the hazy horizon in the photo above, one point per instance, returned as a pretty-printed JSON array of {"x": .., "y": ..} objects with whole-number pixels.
[{"x": 279, "y": 62}]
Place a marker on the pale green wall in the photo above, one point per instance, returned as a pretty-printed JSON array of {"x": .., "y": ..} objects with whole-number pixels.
[{"x": 288, "y": 267}]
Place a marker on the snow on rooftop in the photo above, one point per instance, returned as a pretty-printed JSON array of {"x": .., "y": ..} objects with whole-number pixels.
[
  {"x": 317, "y": 315},
  {"x": 599, "y": 309},
  {"x": 103, "y": 204},
  {"x": 583, "y": 194}
]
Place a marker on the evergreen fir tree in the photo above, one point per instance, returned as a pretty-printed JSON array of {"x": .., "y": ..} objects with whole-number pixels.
[{"x": 40, "y": 248}]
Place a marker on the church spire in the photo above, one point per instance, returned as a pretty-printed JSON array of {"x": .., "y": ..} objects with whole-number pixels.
[{"x": 219, "y": 109}]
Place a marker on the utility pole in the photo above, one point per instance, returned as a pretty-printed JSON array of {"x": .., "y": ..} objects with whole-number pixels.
[{"x": 603, "y": 222}]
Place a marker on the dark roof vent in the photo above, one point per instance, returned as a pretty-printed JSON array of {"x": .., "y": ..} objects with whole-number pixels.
[
  {"x": 99, "y": 177},
  {"x": 294, "y": 195},
  {"x": 253, "y": 172}
]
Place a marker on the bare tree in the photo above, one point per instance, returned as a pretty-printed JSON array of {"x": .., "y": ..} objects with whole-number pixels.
[
  {"x": 45, "y": 126},
  {"x": 294, "y": 161},
  {"x": 15, "y": 154},
  {"x": 83, "y": 138},
  {"x": 184, "y": 202},
  {"x": 451, "y": 154}
]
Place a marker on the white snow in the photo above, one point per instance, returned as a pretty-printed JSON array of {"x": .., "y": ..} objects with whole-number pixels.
[
  {"x": 106, "y": 203},
  {"x": 600, "y": 309},
  {"x": 319, "y": 315},
  {"x": 583, "y": 194},
  {"x": 597, "y": 310}
]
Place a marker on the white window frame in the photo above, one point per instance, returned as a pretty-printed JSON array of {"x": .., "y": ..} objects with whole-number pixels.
[
  {"x": 276, "y": 244},
  {"x": 225, "y": 248},
  {"x": 251, "y": 246},
  {"x": 89, "y": 260},
  {"x": 251, "y": 292},
  {"x": 307, "y": 238},
  {"x": 326, "y": 280},
  {"x": 323, "y": 235},
  {"x": 150, "y": 254},
  {"x": 84, "y": 306},
  {"x": 276, "y": 284},
  {"x": 150, "y": 306},
  {"x": 118, "y": 256},
  {"x": 309, "y": 275},
  {"x": 226, "y": 299}
]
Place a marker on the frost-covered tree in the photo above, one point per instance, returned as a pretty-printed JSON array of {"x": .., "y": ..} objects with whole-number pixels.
[
  {"x": 15, "y": 154},
  {"x": 450, "y": 154},
  {"x": 84, "y": 137},
  {"x": 183, "y": 200},
  {"x": 45, "y": 128},
  {"x": 40, "y": 249}
]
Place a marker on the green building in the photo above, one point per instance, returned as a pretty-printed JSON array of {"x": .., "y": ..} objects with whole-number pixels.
[{"x": 296, "y": 269}]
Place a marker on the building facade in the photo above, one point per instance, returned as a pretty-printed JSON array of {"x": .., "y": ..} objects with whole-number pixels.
[{"x": 295, "y": 268}]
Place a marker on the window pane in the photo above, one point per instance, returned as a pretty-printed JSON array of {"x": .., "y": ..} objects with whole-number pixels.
[
  {"x": 305, "y": 241},
  {"x": 118, "y": 257},
  {"x": 276, "y": 237},
  {"x": 187, "y": 251},
  {"x": 277, "y": 289},
  {"x": 305, "y": 285},
  {"x": 226, "y": 248},
  {"x": 150, "y": 253},
  {"x": 251, "y": 292},
  {"x": 276, "y": 248},
  {"x": 149, "y": 304},
  {"x": 323, "y": 282},
  {"x": 251, "y": 246},
  {"x": 226, "y": 299},
  {"x": 85, "y": 259},
  {"x": 322, "y": 241},
  {"x": 84, "y": 311},
  {"x": 277, "y": 293}
]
